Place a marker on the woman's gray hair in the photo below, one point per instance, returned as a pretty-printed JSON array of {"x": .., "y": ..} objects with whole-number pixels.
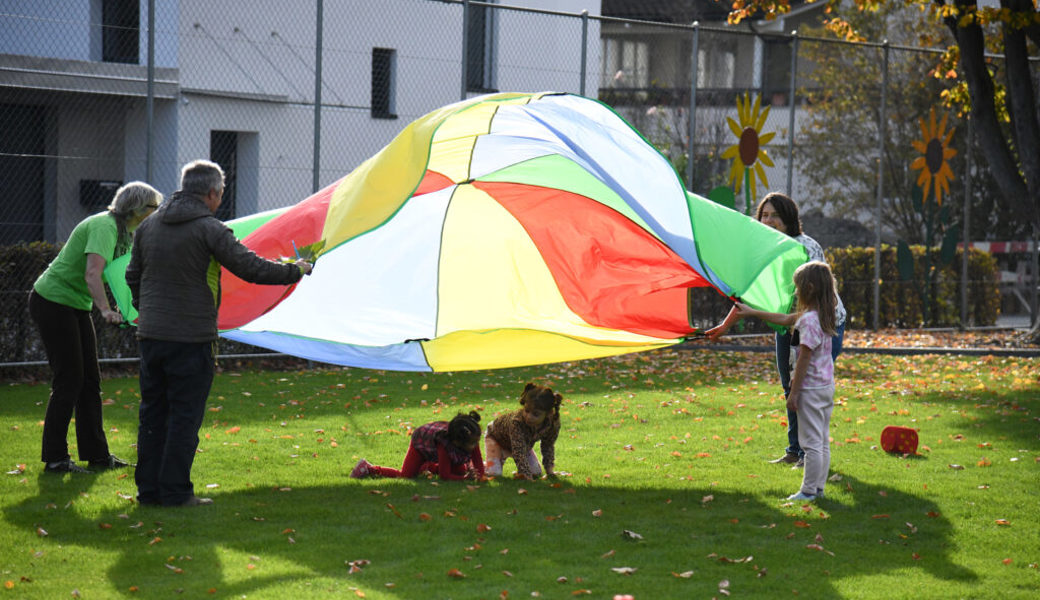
[
  {"x": 200, "y": 176},
  {"x": 134, "y": 198}
]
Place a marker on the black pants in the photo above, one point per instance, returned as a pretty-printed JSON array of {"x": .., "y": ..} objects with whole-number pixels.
[
  {"x": 175, "y": 382},
  {"x": 71, "y": 345}
]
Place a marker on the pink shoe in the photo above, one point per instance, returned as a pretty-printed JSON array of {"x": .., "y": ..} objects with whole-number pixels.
[{"x": 362, "y": 469}]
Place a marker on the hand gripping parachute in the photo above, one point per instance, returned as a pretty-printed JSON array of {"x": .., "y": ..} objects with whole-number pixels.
[{"x": 506, "y": 230}]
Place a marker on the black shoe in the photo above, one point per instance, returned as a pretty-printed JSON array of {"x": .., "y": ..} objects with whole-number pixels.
[
  {"x": 112, "y": 462},
  {"x": 64, "y": 466},
  {"x": 788, "y": 459}
]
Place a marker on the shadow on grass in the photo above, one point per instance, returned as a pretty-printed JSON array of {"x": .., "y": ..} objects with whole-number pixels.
[{"x": 256, "y": 541}]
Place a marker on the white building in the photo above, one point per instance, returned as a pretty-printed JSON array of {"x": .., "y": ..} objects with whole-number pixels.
[{"x": 235, "y": 82}]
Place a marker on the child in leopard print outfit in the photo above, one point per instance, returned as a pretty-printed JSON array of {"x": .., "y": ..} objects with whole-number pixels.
[{"x": 514, "y": 434}]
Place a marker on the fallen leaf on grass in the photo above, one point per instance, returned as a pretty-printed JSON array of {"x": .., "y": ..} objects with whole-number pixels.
[
  {"x": 724, "y": 559},
  {"x": 802, "y": 524},
  {"x": 483, "y": 528},
  {"x": 820, "y": 548},
  {"x": 1003, "y": 522},
  {"x": 630, "y": 535},
  {"x": 956, "y": 467},
  {"x": 457, "y": 574},
  {"x": 683, "y": 575},
  {"x": 624, "y": 570}
]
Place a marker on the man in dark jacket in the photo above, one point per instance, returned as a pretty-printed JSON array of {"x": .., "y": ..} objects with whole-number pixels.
[{"x": 174, "y": 276}]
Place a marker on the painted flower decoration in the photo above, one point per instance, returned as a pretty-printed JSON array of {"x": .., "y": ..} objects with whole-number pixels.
[
  {"x": 749, "y": 151},
  {"x": 935, "y": 150}
]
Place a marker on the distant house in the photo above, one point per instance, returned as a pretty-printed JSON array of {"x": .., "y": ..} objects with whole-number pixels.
[
  {"x": 234, "y": 82},
  {"x": 647, "y": 76},
  {"x": 648, "y": 61}
]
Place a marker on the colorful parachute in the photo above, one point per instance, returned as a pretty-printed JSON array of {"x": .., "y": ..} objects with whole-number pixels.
[{"x": 505, "y": 230}]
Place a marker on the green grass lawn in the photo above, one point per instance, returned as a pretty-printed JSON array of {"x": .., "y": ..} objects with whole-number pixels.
[{"x": 671, "y": 446}]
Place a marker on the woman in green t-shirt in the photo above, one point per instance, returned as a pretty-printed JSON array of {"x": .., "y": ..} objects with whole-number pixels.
[{"x": 60, "y": 303}]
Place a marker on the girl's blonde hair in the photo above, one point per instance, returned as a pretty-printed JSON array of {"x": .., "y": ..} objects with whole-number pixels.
[{"x": 816, "y": 291}]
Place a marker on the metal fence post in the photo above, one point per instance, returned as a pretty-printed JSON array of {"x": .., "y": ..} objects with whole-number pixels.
[
  {"x": 790, "y": 113},
  {"x": 149, "y": 103},
  {"x": 967, "y": 236},
  {"x": 584, "y": 49},
  {"x": 465, "y": 48},
  {"x": 318, "y": 27},
  {"x": 880, "y": 186},
  {"x": 1034, "y": 286},
  {"x": 692, "y": 121}
]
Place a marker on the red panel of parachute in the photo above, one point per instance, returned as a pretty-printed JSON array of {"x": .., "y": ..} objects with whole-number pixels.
[
  {"x": 610, "y": 271},
  {"x": 241, "y": 302}
]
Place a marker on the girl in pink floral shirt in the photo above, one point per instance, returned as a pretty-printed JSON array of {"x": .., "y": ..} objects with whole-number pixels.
[{"x": 812, "y": 383}]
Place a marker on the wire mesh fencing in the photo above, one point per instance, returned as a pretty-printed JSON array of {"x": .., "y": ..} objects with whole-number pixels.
[{"x": 290, "y": 97}]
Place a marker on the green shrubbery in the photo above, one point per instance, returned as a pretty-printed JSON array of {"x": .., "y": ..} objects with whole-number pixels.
[{"x": 901, "y": 302}]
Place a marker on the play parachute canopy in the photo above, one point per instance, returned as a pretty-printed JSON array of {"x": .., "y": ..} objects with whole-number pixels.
[{"x": 505, "y": 230}]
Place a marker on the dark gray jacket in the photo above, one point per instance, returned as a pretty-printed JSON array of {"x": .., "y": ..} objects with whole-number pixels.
[{"x": 174, "y": 270}]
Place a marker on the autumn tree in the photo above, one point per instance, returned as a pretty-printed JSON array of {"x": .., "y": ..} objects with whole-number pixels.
[{"x": 1003, "y": 110}]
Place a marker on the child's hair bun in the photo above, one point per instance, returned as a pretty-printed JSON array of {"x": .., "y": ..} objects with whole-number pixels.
[{"x": 463, "y": 427}]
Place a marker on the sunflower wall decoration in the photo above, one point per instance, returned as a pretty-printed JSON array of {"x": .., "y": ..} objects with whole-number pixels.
[
  {"x": 935, "y": 150},
  {"x": 748, "y": 153}
]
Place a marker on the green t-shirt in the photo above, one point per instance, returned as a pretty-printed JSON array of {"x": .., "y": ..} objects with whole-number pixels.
[{"x": 65, "y": 280}]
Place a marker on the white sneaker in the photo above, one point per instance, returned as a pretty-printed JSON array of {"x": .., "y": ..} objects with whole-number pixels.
[{"x": 801, "y": 496}]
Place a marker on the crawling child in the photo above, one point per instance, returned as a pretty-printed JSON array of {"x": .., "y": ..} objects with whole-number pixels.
[{"x": 514, "y": 434}]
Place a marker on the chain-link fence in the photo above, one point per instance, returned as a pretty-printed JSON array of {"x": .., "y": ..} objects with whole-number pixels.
[{"x": 291, "y": 96}]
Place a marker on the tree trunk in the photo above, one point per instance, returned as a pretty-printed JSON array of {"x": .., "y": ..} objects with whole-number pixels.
[
  {"x": 987, "y": 126},
  {"x": 1021, "y": 101}
]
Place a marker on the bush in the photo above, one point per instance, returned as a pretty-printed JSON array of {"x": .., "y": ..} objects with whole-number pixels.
[
  {"x": 901, "y": 302},
  {"x": 20, "y": 265}
]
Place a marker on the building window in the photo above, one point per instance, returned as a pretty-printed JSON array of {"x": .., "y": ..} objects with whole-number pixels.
[
  {"x": 120, "y": 31},
  {"x": 716, "y": 69},
  {"x": 384, "y": 76},
  {"x": 223, "y": 150},
  {"x": 626, "y": 63},
  {"x": 480, "y": 49}
]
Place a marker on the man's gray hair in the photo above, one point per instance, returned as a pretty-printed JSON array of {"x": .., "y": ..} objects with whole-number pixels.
[{"x": 201, "y": 176}]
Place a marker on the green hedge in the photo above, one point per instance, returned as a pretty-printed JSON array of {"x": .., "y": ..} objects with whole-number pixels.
[
  {"x": 20, "y": 265},
  {"x": 901, "y": 303},
  {"x": 901, "y": 306}
]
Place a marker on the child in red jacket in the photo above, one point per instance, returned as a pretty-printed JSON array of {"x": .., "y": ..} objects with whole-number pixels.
[{"x": 450, "y": 449}]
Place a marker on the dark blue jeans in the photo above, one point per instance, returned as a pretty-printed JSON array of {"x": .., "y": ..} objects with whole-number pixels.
[
  {"x": 175, "y": 382},
  {"x": 783, "y": 367}
]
